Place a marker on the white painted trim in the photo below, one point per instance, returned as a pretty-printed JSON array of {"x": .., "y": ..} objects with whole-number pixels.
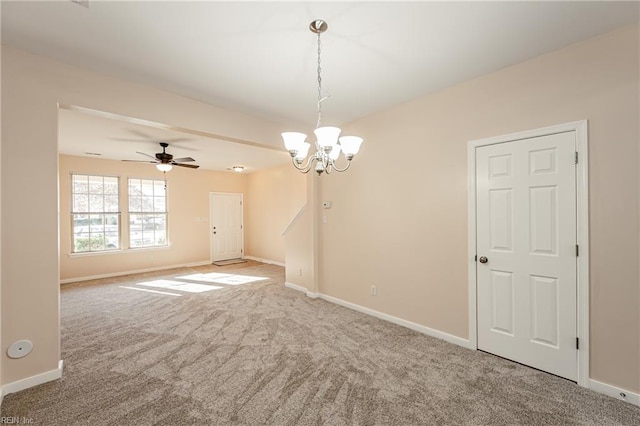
[
  {"x": 614, "y": 392},
  {"x": 135, "y": 271},
  {"x": 399, "y": 321},
  {"x": 257, "y": 259},
  {"x": 582, "y": 206},
  {"x": 302, "y": 289},
  {"x": 294, "y": 220},
  {"x": 533, "y": 133},
  {"x": 472, "y": 245},
  {"x": 295, "y": 287},
  {"x": 582, "y": 195},
  {"x": 32, "y": 381}
]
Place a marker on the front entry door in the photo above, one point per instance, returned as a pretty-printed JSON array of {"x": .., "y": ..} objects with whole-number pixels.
[
  {"x": 226, "y": 226},
  {"x": 526, "y": 248}
]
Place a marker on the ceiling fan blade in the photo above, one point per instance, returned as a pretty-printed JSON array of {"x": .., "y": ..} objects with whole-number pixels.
[
  {"x": 146, "y": 155},
  {"x": 191, "y": 166},
  {"x": 183, "y": 160},
  {"x": 140, "y": 161}
]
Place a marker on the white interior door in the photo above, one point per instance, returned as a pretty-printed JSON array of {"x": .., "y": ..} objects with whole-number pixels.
[
  {"x": 226, "y": 226},
  {"x": 526, "y": 248}
]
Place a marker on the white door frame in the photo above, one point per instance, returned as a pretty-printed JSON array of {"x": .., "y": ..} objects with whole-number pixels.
[
  {"x": 582, "y": 211},
  {"x": 211, "y": 194}
]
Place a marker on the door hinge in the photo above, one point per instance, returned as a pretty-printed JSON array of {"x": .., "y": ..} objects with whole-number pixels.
[
  {"x": 577, "y": 343},
  {"x": 576, "y": 157},
  {"x": 577, "y": 250}
]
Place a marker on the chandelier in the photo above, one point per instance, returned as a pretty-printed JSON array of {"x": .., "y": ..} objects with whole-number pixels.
[{"x": 328, "y": 143}]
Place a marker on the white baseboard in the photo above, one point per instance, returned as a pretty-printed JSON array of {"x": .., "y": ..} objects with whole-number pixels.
[
  {"x": 135, "y": 271},
  {"x": 295, "y": 287},
  {"x": 29, "y": 382},
  {"x": 609, "y": 390},
  {"x": 399, "y": 321},
  {"x": 615, "y": 392},
  {"x": 386, "y": 317},
  {"x": 302, "y": 289},
  {"x": 258, "y": 259}
]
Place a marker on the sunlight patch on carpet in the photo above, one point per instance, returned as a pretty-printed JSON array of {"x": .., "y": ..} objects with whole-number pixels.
[
  {"x": 229, "y": 279},
  {"x": 180, "y": 286},
  {"x": 150, "y": 291}
]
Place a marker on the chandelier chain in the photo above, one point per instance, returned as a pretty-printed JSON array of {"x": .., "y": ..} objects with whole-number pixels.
[
  {"x": 329, "y": 146},
  {"x": 319, "y": 83}
]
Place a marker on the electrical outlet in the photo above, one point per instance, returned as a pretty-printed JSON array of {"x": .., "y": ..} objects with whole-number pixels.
[{"x": 373, "y": 290}]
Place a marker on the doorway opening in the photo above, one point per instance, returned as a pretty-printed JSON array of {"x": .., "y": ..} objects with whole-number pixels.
[{"x": 226, "y": 226}]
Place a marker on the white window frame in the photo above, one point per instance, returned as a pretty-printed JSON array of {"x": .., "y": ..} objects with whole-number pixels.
[
  {"x": 165, "y": 212},
  {"x": 74, "y": 214}
]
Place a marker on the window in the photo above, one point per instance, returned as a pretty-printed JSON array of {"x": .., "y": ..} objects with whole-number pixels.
[
  {"x": 95, "y": 213},
  {"x": 147, "y": 213}
]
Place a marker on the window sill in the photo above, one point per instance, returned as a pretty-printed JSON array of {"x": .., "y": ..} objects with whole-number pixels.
[
  {"x": 95, "y": 253},
  {"x": 168, "y": 246},
  {"x": 117, "y": 251}
]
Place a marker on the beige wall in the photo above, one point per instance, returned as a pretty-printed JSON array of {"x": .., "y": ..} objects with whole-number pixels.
[
  {"x": 274, "y": 197},
  {"x": 403, "y": 224},
  {"x": 1, "y": 341},
  {"x": 298, "y": 245},
  {"x": 188, "y": 203},
  {"x": 32, "y": 88},
  {"x": 301, "y": 241}
]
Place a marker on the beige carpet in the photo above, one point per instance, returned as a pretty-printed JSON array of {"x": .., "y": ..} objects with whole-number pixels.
[{"x": 255, "y": 353}]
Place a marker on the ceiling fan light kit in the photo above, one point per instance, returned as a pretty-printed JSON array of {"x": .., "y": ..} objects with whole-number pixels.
[{"x": 329, "y": 144}]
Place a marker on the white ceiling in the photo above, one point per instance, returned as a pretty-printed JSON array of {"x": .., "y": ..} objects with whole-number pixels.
[
  {"x": 86, "y": 134},
  {"x": 260, "y": 57}
]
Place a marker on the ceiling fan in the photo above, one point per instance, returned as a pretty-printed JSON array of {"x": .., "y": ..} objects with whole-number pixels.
[{"x": 165, "y": 161}]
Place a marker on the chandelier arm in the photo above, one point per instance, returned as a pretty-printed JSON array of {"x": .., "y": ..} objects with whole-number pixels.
[
  {"x": 342, "y": 170},
  {"x": 306, "y": 167}
]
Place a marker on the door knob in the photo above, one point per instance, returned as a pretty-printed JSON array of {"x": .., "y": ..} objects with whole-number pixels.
[{"x": 483, "y": 259}]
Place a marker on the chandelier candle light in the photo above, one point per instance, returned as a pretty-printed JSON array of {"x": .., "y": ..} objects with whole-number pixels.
[{"x": 328, "y": 145}]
